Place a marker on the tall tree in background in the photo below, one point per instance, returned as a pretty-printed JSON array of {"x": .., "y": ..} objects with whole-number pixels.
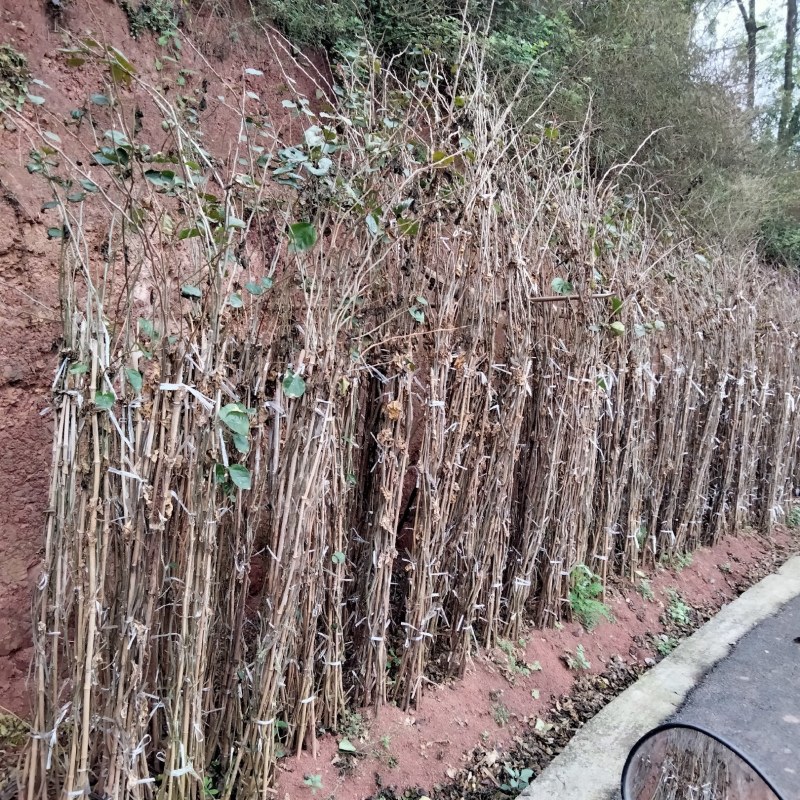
[
  {"x": 751, "y": 28},
  {"x": 787, "y": 121}
]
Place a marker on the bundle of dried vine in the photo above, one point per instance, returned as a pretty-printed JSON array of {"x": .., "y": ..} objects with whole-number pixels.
[{"x": 362, "y": 402}]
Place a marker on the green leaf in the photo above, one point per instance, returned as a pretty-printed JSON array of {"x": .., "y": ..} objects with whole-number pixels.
[
  {"x": 346, "y": 746},
  {"x": 188, "y": 233},
  {"x": 561, "y": 286},
  {"x": 187, "y": 290},
  {"x": 242, "y": 443},
  {"x": 134, "y": 378},
  {"x": 163, "y": 179},
  {"x": 302, "y": 236},
  {"x": 234, "y": 222},
  {"x": 146, "y": 327},
  {"x": 104, "y": 400},
  {"x": 267, "y": 282},
  {"x": 235, "y": 300},
  {"x": 99, "y": 100},
  {"x": 235, "y": 416},
  {"x": 76, "y": 197},
  {"x": 293, "y": 385},
  {"x": 240, "y": 476},
  {"x": 78, "y": 369},
  {"x": 338, "y": 557},
  {"x": 254, "y": 288},
  {"x": 256, "y": 72},
  {"x": 372, "y": 225},
  {"x": 55, "y": 233},
  {"x": 408, "y": 227},
  {"x": 617, "y": 328},
  {"x": 50, "y": 204},
  {"x": 121, "y": 69},
  {"x": 35, "y": 99},
  {"x": 616, "y": 305},
  {"x": 441, "y": 159},
  {"x": 417, "y": 313},
  {"x": 53, "y": 137}
]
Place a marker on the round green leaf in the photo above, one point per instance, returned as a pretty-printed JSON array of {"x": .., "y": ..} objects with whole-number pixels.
[
  {"x": 617, "y": 328},
  {"x": 338, "y": 557},
  {"x": 240, "y": 476},
  {"x": 242, "y": 443},
  {"x": 235, "y": 300},
  {"x": 293, "y": 385},
  {"x": 302, "y": 236},
  {"x": 562, "y": 287},
  {"x": 346, "y": 746},
  {"x": 235, "y": 416},
  {"x": 191, "y": 291},
  {"x": 417, "y": 313},
  {"x": 134, "y": 378},
  {"x": 104, "y": 400}
]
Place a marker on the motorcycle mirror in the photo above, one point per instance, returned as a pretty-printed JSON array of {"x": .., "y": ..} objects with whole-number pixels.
[{"x": 679, "y": 761}]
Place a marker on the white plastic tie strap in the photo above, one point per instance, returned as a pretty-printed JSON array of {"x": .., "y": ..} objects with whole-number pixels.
[{"x": 204, "y": 401}]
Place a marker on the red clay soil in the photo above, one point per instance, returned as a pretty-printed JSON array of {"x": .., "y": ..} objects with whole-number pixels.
[{"x": 427, "y": 746}]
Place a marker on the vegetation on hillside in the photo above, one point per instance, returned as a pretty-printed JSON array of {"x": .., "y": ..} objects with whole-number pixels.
[
  {"x": 660, "y": 92},
  {"x": 427, "y": 280}
]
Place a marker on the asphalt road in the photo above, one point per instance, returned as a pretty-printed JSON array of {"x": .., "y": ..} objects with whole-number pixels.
[{"x": 752, "y": 699}]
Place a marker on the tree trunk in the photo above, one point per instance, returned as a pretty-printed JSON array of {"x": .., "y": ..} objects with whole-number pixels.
[
  {"x": 785, "y": 123},
  {"x": 752, "y": 29}
]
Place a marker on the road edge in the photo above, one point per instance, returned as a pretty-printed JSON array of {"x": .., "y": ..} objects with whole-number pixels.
[{"x": 590, "y": 766}]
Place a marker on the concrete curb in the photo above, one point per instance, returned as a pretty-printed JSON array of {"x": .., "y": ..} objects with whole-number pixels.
[{"x": 590, "y": 766}]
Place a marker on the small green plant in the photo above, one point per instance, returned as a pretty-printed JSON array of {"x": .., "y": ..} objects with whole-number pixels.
[
  {"x": 578, "y": 661},
  {"x": 501, "y": 714},
  {"x": 14, "y": 75},
  {"x": 793, "y": 517},
  {"x": 646, "y": 590},
  {"x": 313, "y": 782},
  {"x": 677, "y": 561},
  {"x": 352, "y": 725},
  {"x": 515, "y": 665},
  {"x": 666, "y": 644},
  {"x": 586, "y": 587},
  {"x": 518, "y": 779},
  {"x": 678, "y": 611},
  {"x": 209, "y": 790},
  {"x": 157, "y": 16}
]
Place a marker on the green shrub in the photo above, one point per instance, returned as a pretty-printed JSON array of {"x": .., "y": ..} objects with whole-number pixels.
[
  {"x": 333, "y": 24},
  {"x": 586, "y": 587},
  {"x": 780, "y": 241},
  {"x": 159, "y": 17},
  {"x": 14, "y": 75}
]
